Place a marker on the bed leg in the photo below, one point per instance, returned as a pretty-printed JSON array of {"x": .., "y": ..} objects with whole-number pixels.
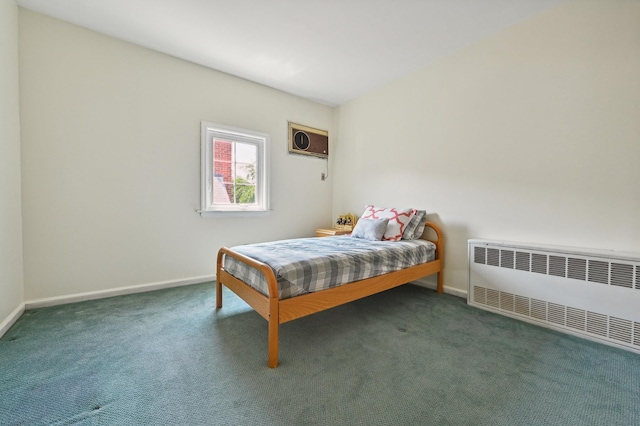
[
  {"x": 440, "y": 283},
  {"x": 274, "y": 324},
  {"x": 219, "y": 259},
  {"x": 273, "y": 344},
  {"x": 218, "y": 294}
]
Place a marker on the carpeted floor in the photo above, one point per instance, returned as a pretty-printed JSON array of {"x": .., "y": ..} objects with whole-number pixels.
[{"x": 404, "y": 357}]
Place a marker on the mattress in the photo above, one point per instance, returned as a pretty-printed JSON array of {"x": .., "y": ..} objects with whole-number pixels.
[{"x": 307, "y": 265}]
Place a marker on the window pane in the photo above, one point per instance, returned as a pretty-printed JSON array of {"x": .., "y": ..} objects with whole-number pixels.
[
  {"x": 245, "y": 161},
  {"x": 246, "y": 153}
]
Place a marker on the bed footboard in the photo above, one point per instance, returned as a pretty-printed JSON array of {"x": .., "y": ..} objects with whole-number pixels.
[{"x": 267, "y": 307}]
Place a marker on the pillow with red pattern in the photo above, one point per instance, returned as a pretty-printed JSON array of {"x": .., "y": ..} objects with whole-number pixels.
[{"x": 398, "y": 220}]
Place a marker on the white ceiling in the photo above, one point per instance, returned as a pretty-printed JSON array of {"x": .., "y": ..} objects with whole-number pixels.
[{"x": 330, "y": 51}]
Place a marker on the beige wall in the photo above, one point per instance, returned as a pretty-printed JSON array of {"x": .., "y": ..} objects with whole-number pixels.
[
  {"x": 532, "y": 135},
  {"x": 111, "y": 162},
  {"x": 11, "y": 277}
]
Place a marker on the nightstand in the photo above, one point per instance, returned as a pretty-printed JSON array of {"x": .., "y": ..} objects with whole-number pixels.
[{"x": 330, "y": 232}]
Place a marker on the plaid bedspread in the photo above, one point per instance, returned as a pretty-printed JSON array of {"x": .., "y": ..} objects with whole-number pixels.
[{"x": 307, "y": 265}]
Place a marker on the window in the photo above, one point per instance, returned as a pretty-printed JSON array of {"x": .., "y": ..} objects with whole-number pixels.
[{"x": 234, "y": 171}]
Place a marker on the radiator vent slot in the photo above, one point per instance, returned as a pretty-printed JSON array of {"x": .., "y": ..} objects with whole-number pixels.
[
  {"x": 539, "y": 309},
  {"x": 493, "y": 298},
  {"x": 480, "y": 255},
  {"x": 522, "y": 306},
  {"x": 523, "y": 261},
  {"x": 597, "y": 324},
  {"x": 480, "y": 295},
  {"x": 506, "y": 259},
  {"x": 577, "y": 269},
  {"x": 539, "y": 263},
  {"x": 620, "y": 329},
  {"x": 598, "y": 271},
  {"x": 576, "y": 318},
  {"x": 555, "y": 313},
  {"x": 558, "y": 266},
  {"x": 622, "y": 275},
  {"x": 493, "y": 257},
  {"x": 507, "y": 301},
  {"x": 594, "y": 295}
]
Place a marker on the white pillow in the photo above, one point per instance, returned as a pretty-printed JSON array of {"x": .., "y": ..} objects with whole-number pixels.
[
  {"x": 398, "y": 220},
  {"x": 370, "y": 229},
  {"x": 415, "y": 227}
]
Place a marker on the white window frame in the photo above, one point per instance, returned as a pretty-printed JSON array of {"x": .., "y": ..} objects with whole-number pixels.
[{"x": 210, "y": 132}]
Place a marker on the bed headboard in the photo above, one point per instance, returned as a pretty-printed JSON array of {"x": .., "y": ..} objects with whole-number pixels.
[{"x": 439, "y": 241}]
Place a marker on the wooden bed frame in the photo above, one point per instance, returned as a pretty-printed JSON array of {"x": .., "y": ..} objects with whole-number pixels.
[{"x": 277, "y": 311}]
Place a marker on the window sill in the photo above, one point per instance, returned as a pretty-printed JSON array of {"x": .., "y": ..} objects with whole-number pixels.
[{"x": 234, "y": 213}]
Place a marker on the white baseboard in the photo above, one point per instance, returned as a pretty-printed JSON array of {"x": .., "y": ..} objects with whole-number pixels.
[
  {"x": 6, "y": 324},
  {"x": 101, "y": 294},
  {"x": 456, "y": 292},
  {"x": 448, "y": 290}
]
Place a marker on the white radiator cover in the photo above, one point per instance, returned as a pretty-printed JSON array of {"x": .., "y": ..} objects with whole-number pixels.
[{"x": 590, "y": 293}]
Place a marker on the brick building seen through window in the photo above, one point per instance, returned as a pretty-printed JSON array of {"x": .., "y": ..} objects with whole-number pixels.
[{"x": 222, "y": 169}]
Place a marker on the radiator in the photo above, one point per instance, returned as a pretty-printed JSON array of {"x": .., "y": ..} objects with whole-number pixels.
[{"x": 594, "y": 294}]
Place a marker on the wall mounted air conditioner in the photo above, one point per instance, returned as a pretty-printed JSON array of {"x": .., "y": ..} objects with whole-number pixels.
[{"x": 308, "y": 141}]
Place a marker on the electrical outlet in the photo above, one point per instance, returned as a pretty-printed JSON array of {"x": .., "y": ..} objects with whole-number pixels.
[{"x": 323, "y": 176}]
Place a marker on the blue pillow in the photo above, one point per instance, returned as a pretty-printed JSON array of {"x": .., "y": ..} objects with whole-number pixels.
[{"x": 370, "y": 229}]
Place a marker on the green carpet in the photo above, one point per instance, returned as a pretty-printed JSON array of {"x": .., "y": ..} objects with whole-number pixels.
[{"x": 404, "y": 357}]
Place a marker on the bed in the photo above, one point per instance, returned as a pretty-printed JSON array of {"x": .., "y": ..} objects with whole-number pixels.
[{"x": 280, "y": 294}]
